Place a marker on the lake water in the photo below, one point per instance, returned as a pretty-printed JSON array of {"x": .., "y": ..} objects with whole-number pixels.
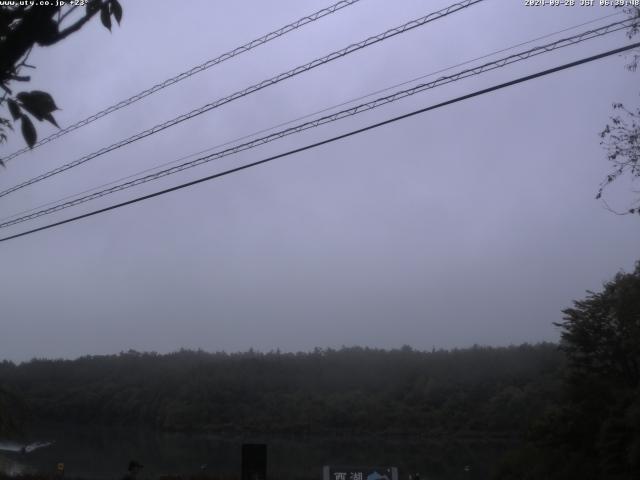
[{"x": 103, "y": 453}]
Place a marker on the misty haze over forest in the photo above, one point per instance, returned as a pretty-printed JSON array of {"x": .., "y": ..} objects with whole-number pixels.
[{"x": 411, "y": 222}]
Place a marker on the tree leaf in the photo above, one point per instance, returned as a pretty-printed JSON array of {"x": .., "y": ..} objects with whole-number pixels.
[
  {"x": 28, "y": 131},
  {"x": 14, "y": 109},
  {"x": 6, "y": 123},
  {"x": 116, "y": 10},
  {"x": 47, "y": 32},
  {"x": 49, "y": 118},
  {"x": 105, "y": 16},
  {"x": 92, "y": 6},
  {"x": 37, "y": 103}
]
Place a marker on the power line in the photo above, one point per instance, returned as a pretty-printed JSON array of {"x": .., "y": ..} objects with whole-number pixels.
[
  {"x": 308, "y": 115},
  {"x": 193, "y": 71},
  {"x": 333, "y": 139},
  {"x": 502, "y": 62},
  {"x": 336, "y": 116},
  {"x": 254, "y": 88}
]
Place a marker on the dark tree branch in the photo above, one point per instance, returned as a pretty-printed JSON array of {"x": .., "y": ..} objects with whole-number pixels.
[
  {"x": 25, "y": 35},
  {"x": 65, "y": 14},
  {"x": 77, "y": 25},
  {"x": 23, "y": 27}
]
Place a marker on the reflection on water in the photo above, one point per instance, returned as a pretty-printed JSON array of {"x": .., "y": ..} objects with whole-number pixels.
[
  {"x": 9, "y": 464},
  {"x": 106, "y": 452},
  {"x": 14, "y": 447},
  {"x": 12, "y": 467}
]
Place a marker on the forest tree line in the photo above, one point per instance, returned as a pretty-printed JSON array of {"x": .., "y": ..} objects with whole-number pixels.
[
  {"x": 475, "y": 391},
  {"x": 574, "y": 408}
]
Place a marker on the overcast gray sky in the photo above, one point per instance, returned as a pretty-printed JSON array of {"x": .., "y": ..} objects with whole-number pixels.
[{"x": 475, "y": 223}]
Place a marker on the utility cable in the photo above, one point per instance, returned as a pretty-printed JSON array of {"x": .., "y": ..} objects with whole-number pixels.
[
  {"x": 333, "y": 139},
  {"x": 254, "y": 88},
  {"x": 517, "y": 57},
  {"x": 308, "y": 115},
  {"x": 193, "y": 71}
]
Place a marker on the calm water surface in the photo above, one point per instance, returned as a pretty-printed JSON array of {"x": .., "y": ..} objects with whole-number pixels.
[{"x": 103, "y": 453}]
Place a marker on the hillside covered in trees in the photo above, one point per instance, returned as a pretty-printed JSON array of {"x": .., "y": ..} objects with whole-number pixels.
[
  {"x": 573, "y": 408},
  {"x": 470, "y": 392}
]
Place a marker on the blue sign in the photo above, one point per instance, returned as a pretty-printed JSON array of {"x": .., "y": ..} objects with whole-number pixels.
[{"x": 359, "y": 473}]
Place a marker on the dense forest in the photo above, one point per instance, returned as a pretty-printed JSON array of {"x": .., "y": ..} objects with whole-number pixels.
[
  {"x": 573, "y": 409},
  {"x": 476, "y": 391},
  {"x": 593, "y": 431}
]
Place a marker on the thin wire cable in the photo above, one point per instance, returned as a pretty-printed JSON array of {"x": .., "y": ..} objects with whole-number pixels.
[
  {"x": 517, "y": 57},
  {"x": 193, "y": 71},
  {"x": 289, "y": 122},
  {"x": 254, "y": 88},
  {"x": 332, "y": 139}
]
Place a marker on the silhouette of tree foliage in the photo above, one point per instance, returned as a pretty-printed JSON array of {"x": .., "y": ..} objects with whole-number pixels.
[
  {"x": 621, "y": 137},
  {"x": 477, "y": 392},
  {"x": 12, "y": 407},
  {"x": 601, "y": 334},
  {"x": 594, "y": 431},
  {"x": 22, "y": 27}
]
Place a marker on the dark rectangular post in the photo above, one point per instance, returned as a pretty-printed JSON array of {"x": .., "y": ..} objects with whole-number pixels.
[{"x": 254, "y": 461}]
